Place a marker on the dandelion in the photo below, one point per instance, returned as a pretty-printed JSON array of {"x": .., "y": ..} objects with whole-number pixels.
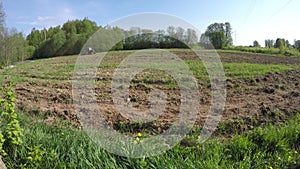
[
  {"x": 138, "y": 139},
  {"x": 270, "y": 167},
  {"x": 62, "y": 133}
]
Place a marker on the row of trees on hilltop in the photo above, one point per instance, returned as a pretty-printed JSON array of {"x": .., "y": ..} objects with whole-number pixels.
[
  {"x": 70, "y": 38},
  {"x": 172, "y": 37}
]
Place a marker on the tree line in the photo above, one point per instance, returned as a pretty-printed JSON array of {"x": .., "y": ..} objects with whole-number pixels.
[
  {"x": 73, "y": 36},
  {"x": 70, "y": 38}
]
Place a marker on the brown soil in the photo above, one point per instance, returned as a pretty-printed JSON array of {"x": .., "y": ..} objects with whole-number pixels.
[{"x": 258, "y": 100}]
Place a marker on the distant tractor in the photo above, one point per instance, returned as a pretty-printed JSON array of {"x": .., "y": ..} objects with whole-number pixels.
[{"x": 89, "y": 51}]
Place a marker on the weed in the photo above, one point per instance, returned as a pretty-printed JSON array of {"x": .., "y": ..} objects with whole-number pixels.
[{"x": 12, "y": 131}]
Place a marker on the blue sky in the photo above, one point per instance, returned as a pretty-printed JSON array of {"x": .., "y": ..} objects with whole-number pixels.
[{"x": 251, "y": 19}]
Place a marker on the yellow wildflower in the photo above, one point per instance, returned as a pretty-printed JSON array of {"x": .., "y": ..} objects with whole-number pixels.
[
  {"x": 135, "y": 142},
  {"x": 139, "y": 135}
]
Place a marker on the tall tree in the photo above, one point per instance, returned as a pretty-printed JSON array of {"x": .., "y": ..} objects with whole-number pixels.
[
  {"x": 256, "y": 44},
  {"x": 171, "y": 31},
  {"x": 219, "y": 35},
  {"x": 12, "y": 43},
  {"x": 297, "y": 44},
  {"x": 13, "y": 48},
  {"x": 2, "y": 15},
  {"x": 269, "y": 43},
  {"x": 287, "y": 44},
  {"x": 205, "y": 42},
  {"x": 51, "y": 47},
  {"x": 228, "y": 31},
  {"x": 70, "y": 29},
  {"x": 2, "y": 34},
  {"x": 280, "y": 43},
  {"x": 179, "y": 33},
  {"x": 191, "y": 37},
  {"x": 34, "y": 38}
]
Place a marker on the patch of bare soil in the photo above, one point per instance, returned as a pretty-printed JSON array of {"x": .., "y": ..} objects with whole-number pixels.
[
  {"x": 52, "y": 100},
  {"x": 270, "y": 98},
  {"x": 267, "y": 99}
]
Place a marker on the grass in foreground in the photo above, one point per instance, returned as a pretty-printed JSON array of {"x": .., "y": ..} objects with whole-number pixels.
[{"x": 61, "y": 146}]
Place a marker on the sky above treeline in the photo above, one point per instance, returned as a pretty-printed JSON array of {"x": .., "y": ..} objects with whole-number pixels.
[{"x": 250, "y": 19}]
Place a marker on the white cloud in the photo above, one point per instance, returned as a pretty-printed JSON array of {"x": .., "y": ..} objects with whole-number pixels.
[
  {"x": 60, "y": 17},
  {"x": 44, "y": 18}
]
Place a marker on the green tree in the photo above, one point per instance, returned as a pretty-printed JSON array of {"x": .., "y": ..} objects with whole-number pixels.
[
  {"x": 218, "y": 39},
  {"x": 297, "y": 44},
  {"x": 171, "y": 31},
  {"x": 13, "y": 47},
  {"x": 191, "y": 37},
  {"x": 107, "y": 39},
  {"x": 228, "y": 31},
  {"x": 256, "y": 44},
  {"x": 280, "y": 43},
  {"x": 51, "y": 47},
  {"x": 179, "y": 35},
  {"x": 269, "y": 43},
  {"x": 34, "y": 38},
  {"x": 219, "y": 35},
  {"x": 287, "y": 44},
  {"x": 160, "y": 38},
  {"x": 70, "y": 29},
  {"x": 50, "y": 33},
  {"x": 86, "y": 27},
  {"x": 205, "y": 42}
]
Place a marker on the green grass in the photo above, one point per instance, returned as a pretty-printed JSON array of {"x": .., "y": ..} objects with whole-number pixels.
[
  {"x": 239, "y": 70},
  {"x": 61, "y": 146},
  {"x": 247, "y": 70}
]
